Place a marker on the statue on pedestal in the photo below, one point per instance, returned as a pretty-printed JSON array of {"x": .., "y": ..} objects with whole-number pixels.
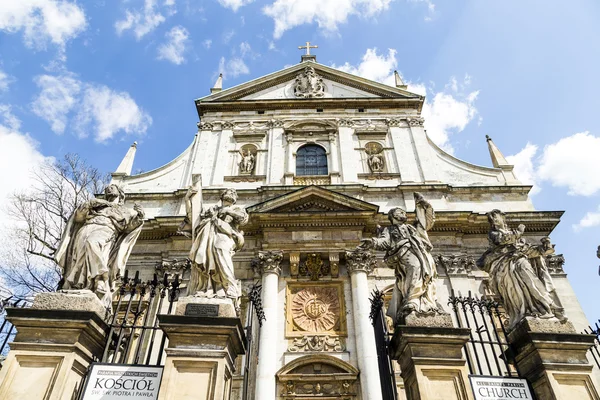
[
  {"x": 216, "y": 237},
  {"x": 408, "y": 250},
  {"x": 518, "y": 272},
  {"x": 96, "y": 244},
  {"x": 247, "y": 161}
]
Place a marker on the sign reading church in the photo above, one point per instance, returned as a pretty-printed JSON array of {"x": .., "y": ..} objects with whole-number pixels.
[
  {"x": 323, "y": 186},
  {"x": 122, "y": 382}
]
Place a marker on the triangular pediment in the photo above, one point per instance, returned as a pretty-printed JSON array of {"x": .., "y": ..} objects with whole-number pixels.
[
  {"x": 308, "y": 80},
  {"x": 313, "y": 199}
]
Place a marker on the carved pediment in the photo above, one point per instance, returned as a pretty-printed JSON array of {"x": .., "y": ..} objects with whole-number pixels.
[{"x": 313, "y": 199}]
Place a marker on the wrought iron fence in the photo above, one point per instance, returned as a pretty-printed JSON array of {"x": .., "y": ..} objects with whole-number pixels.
[
  {"x": 254, "y": 309},
  {"x": 134, "y": 330},
  {"x": 387, "y": 375},
  {"x": 487, "y": 352},
  {"x": 595, "y": 349}
]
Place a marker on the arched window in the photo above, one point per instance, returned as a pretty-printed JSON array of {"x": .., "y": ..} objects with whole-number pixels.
[{"x": 311, "y": 160}]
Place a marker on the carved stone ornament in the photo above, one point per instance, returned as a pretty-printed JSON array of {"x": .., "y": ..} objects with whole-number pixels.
[
  {"x": 268, "y": 262},
  {"x": 416, "y": 121},
  {"x": 205, "y": 126},
  {"x": 518, "y": 272},
  {"x": 309, "y": 84},
  {"x": 555, "y": 263},
  {"x": 227, "y": 125},
  {"x": 175, "y": 266},
  {"x": 345, "y": 122},
  {"x": 316, "y": 309},
  {"x": 314, "y": 267},
  {"x": 456, "y": 264},
  {"x": 316, "y": 343},
  {"x": 375, "y": 157},
  {"x": 275, "y": 123},
  {"x": 395, "y": 121},
  {"x": 360, "y": 259}
]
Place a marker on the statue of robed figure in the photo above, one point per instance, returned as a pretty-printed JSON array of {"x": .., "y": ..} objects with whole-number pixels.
[
  {"x": 216, "y": 236},
  {"x": 408, "y": 250},
  {"x": 518, "y": 272},
  {"x": 97, "y": 242}
]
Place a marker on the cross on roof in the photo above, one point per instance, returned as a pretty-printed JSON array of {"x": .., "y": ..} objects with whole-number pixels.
[{"x": 307, "y": 47}]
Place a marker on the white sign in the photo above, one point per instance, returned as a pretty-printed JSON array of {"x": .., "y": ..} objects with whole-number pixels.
[
  {"x": 499, "y": 388},
  {"x": 122, "y": 382}
]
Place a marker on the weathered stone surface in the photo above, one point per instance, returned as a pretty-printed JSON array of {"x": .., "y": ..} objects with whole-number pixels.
[
  {"x": 226, "y": 307},
  {"x": 433, "y": 320},
  {"x": 550, "y": 325},
  {"x": 80, "y": 300}
]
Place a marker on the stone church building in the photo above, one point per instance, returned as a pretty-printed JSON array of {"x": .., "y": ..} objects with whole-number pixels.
[{"x": 318, "y": 157}]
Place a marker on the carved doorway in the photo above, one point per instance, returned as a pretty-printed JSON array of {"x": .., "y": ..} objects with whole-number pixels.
[{"x": 318, "y": 376}]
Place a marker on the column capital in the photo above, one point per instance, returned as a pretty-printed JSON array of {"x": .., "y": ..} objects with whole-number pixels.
[
  {"x": 268, "y": 262},
  {"x": 360, "y": 260}
]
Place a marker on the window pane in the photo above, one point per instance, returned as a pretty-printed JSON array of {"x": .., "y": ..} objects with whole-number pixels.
[{"x": 311, "y": 160}]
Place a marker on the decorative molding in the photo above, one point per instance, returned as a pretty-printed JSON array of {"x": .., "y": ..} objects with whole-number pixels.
[
  {"x": 360, "y": 260},
  {"x": 415, "y": 121},
  {"x": 456, "y": 264},
  {"x": 555, "y": 263},
  {"x": 316, "y": 343},
  {"x": 314, "y": 267},
  {"x": 205, "y": 126},
  {"x": 392, "y": 122},
  {"x": 175, "y": 266},
  {"x": 275, "y": 123},
  {"x": 334, "y": 264},
  {"x": 267, "y": 262},
  {"x": 373, "y": 176},
  {"x": 227, "y": 125},
  {"x": 309, "y": 84},
  {"x": 294, "y": 264},
  {"x": 245, "y": 178},
  {"x": 312, "y": 180},
  {"x": 344, "y": 122}
]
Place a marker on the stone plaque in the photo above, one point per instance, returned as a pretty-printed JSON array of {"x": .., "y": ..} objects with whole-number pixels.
[{"x": 201, "y": 310}]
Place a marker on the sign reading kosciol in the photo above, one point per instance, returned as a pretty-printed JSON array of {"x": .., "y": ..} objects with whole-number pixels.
[
  {"x": 122, "y": 382},
  {"x": 499, "y": 388}
]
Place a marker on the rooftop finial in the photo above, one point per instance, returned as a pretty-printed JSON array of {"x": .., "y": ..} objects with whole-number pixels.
[
  {"x": 218, "y": 84},
  {"x": 399, "y": 83},
  {"x": 127, "y": 163},
  {"x": 498, "y": 160},
  {"x": 308, "y": 56}
]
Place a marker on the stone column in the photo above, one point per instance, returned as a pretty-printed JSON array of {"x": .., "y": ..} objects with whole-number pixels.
[
  {"x": 360, "y": 263},
  {"x": 268, "y": 264},
  {"x": 350, "y": 160},
  {"x": 334, "y": 169},
  {"x": 56, "y": 341},
  {"x": 201, "y": 355},
  {"x": 429, "y": 352},
  {"x": 552, "y": 356},
  {"x": 290, "y": 165}
]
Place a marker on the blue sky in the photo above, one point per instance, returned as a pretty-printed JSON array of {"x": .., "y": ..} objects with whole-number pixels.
[{"x": 93, "y": 76}]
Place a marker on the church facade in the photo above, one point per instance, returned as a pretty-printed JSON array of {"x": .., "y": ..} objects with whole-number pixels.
[{"x": 318, "y": 157}]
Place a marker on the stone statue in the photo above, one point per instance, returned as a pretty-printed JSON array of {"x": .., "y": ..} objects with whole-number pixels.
[
  {"x": 408, "y": 250},
  {"x": 216, "y": 238},
  {"x": 375, "y": 162},
  {"x": 96, "y": 244},
  {"x": 247, "y": 162},
  {"x": 518, "y": 272}
]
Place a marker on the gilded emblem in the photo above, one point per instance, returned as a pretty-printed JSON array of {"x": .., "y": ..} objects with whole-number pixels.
[{"x": 316, "y": 309}]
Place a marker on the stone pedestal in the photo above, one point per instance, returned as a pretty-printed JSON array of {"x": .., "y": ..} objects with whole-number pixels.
[
  {"x": 431, "y": 359},
  {"x": 51, "y": 352},
  {"x": 552, "y": 356},
  {"x": 200, "y": 356}
]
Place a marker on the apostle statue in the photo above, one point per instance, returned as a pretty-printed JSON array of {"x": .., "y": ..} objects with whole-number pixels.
[
  {"x": 375, "y": 162},
  {"x": 518, "y": 272},
  {"x": 408, "y": 250},
  {"x": 96, "y": 244},
  {"x": 216, "y": 237},
  {"x": 247, "y": 162}
]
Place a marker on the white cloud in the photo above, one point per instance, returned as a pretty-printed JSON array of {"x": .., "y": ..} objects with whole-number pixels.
[
  {"x": 207, "y": 43},
  {"x": 107, "y": 112},
  {"x": 572, "y": 162},
  {"x": 173, "y": 50},
  {"x": 451, "y": 109},
  {"x": 328, "y": 14},
  {"x": 589, "y": 220},
  {"x": 89, "y": 108},
  {"x": 141, "y": 21},
  {"x": 58, "y": 95},
  {"x": 376, "y": 67},
  {"x": 234, "y": 4},
  {"x": 233, "y": 67},
  {"x": 524, "y": 168},
  {"x": 19, "y": 154},
  {"x": 43, "y": 21},
  {"x": 4, "y": 81},
  {"x": 245, "y": 48}
]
